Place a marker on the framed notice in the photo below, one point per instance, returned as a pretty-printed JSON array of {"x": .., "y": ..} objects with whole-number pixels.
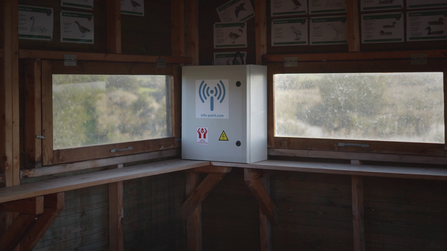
[
  {"x": 288, "y": 7},
  {"x": 230, "y": 58},
  {"x": 290, "y": 32},
  {"x": 77, "y": 27},
  {"x": 327, "y": 6},
  {"x": 427, "y": 25},
  {"x": 132, "y": 7},
  {"x": 382, "y": 28},
  {"x": 81, "y": 4},
  {"x": 230, "y": 35},
  {"x": 328, "y": 30},
  {"x": 236, "y": 10},
  {"x": 35, "y": 23},
  {"x": 373, "y": 5},
  {"x": 423, "y": 4}
]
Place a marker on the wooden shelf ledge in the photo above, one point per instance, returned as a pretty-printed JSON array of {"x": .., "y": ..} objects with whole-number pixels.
[
  {"x": 96, "y": 178},
  {"x": 103, "y": 57}
]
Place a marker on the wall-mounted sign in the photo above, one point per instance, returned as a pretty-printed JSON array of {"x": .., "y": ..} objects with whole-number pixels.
[
  {"x": 212, "y": 99},
  {"x": 81, "y": 4},
  {"x": 35, "y": 23},
  {"x": 328, "y": 30},
  {"x": 288, "y": 7},
  {"x": 327, "y": 6},
  {"x": 382, "y": 28},
  {"x": 236, "y": 10},
  {"x": 230, "y": 35},
  {"x": 373, "y": 5},
  {"x": 230, "y": 58},
  {"x": 427, "y": 25},
  {"x": 77, "y": 27},
  {"x": 132, "y": 7},
  {"x": 423, "y": 4},
  {"x": 289, "y": 32}
]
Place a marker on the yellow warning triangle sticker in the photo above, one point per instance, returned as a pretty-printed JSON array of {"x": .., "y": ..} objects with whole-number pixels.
[{"x": 223, "y": 136}]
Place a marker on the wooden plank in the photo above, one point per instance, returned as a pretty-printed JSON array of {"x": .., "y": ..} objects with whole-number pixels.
[
  {"x": 260, "y": 29},
  {"x": 264, "y": 223},
  {"x": 194, "y": 222},
  {"x": 211, "y": 169},
  {"x": 272, "y": 69},
  {"x": 54, "y": 203},
  {"x": 16, "y": 232},
  {"x": 113, "y": 26},
  {"x": 33, "y": 114},
  {"x": 97, "y": 178},
  {"x": 345, "y": 169},
  {"x": 78, "y": 166},
  {"x": 176, "y": 106},
  {"x": 200, "y": 193},
  {"x": 47, "y": 113},
  {"x": 267, "y": 207},
  {"x": 356, "y": 56},
  {"x": 2, "y": 53},
  {"x": 177, "y": 28},
  {"x": 358, "y": 213},
  {"x": 353, "y": 25},
  {"x": 104, "y": 57},
  {"x": 26, "y": 206},
  {"x": 116, "y": 216},
  {"x": 192, "y": 30}
]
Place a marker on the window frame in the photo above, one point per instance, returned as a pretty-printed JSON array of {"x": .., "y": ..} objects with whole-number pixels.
[
  {"x": 52, "y": 156},
  {"x": 329, "y": 148}
]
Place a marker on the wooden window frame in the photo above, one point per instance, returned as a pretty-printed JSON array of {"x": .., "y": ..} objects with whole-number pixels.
[
  {"x": 51, "y": 156},
  {"x": 318, "y": 147}
]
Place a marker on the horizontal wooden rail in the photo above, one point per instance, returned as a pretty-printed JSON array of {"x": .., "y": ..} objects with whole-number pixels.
[
  {"x": 104, "y": 57},
  {"x": 355, "y": 56}
]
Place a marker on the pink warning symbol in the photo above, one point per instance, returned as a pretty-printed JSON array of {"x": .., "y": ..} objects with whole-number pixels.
[{"x": 202, "y": 135}]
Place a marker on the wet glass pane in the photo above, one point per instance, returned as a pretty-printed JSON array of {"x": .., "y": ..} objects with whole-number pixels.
[
  {"x": 103, "y": 109},
  {"x": 368, "y": 106}
]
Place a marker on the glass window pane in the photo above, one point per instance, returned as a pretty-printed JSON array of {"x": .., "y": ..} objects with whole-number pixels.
[
  {"x": 366, "y": 106},
  {"x": 103, "y": 109}
]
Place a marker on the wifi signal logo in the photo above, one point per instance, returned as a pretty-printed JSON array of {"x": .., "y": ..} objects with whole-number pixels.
[{"x": 213, "y": 94}]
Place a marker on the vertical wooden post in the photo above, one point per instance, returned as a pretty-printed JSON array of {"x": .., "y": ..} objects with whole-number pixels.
[
  {"x": 47, "y": 113},
  {"x": 114, "y": 26},
  {"x": 194, "y": 222},
  {"x": 358, "y": 213},
  {"x": 177, "y": 27},
  {"x": 353, "y": 25},
  {"x": 192, "y": 31},
  {"x": 264, "y": 223},
  {"x": 116, "y": 216},
  {"x": 261, "y": 29}
]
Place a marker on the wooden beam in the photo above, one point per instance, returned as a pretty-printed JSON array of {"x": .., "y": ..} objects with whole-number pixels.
[
  {"x": 2, "y": 53},
  {"x": 116, "y": 216},
  {"x": 192, "y": 30},
  {"x": 113, "y": 26},
  {"x": 264, "y": 223},
  {"x": 353, "y": 25},
  {"x": 33, "y": 206},
  {"x": 104, "y": 57},
  {"x": 54, "y": 203},
  {"x": 16, "y": 232},
  {"x": 194, "y": 221},
  {"x": 260, "y": 29},
  {"x": 266, "y": 204},
  {"x": 96, "y": 178},
  {"x": 358, "y": 213},
  {"x": 33, "y": 113},
  {"x": 177, "y": 28},
  {"x": 357, "y": 56},
  {"x": 47, "y": 113},
  {"x": 200, "y": 193},
  {"x": 211, "y": 169}
]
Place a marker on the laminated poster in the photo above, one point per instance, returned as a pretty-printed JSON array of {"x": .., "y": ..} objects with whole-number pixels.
[
  {"x": 132, "y": 7},
  {"x": 289, "y": 32},
  {"x": 423, "y": 4},
  {"x": 236, "y": 10},
  {"x": 81, "y": 4},
  {"x": 373, "y": 5},
  {"x": 230, "y": 35},
  {"x": 35, "y": 23},
  {"x": 230, "y": 58},
  {"x": 328, "y": 30},
  {"x": 77, "y": 27},
  {"x": 427, "y": 25},
  {"x": 288, "y": 7},
  {"x": 327, "y": 6},
  {"x": 383, "y": 28}
]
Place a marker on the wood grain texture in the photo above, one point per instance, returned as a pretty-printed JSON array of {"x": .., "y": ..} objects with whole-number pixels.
[
  {"x": 211, "y": 169},
  {"x": 97, "y": 178},
  {"x": 261, "y": 29},
  {"x": 358, "y": 213},
  {"x": 194, "y": 222},
  {"x": 32, "y": 206},
  {"x": 47, "y": 112},
  {"x": 192, "y": 30},
  {"x": 265, "y": 227},
  {"x": 113, "y": 26},
  {"x": 116, "y": 215},
  {"x": 16, "y": 232},
  {"x": 353, "y": 25},
  {"x": 177, "y": 28}
]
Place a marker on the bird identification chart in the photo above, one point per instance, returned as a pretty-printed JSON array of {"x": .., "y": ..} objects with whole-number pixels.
[
  {"x": 132, "y": 7},
  {"x": 230, "y": 58},
  {"x": 382, "y": 28},
  {"x": 368, "y": 5},
  {"x": 77, "y": 27},
  {"x": 423, "y": 4},
  {"x": 288, "y": 7},
  {"x": 289, "y": 32},
  {"x": 35, "y": 23},
  {"x": 230, "y": 35},
  {"x": 427, "y": 25},
  {"x": 236, "y": 10},
  {"x": 328, "y": 30},
  {"x": 327, "y": 6},
  {"x": 81, "y": 4}
]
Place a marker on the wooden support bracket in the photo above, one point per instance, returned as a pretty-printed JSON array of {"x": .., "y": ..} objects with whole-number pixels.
[
  {"x": 33, "y": 206},
  {"x": 253, "y": 181}
]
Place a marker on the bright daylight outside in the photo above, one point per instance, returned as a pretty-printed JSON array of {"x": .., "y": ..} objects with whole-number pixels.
[
  {"x": 103, "y": 109},
  {"x": 406, "y": 107}
]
